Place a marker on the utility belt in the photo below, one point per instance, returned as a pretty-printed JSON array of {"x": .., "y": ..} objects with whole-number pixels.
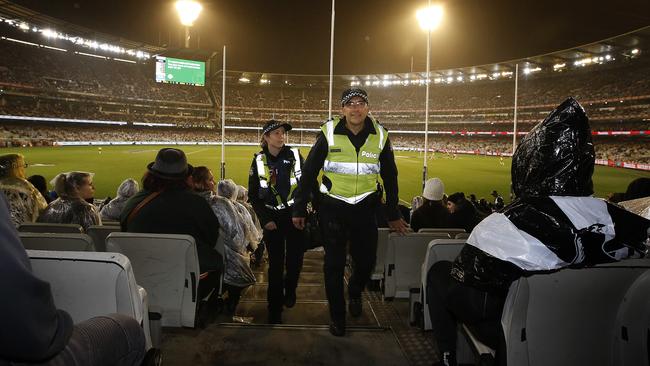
[
  {"x": 281, "y": 206},
  {"x": 330, "y": 203}
]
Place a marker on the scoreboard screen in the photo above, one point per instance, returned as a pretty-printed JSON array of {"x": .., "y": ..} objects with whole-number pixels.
[{"x": 179, "y": 71}]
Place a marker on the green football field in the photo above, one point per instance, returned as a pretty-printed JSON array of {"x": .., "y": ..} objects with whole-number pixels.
[{"x": 469, "y": 174}]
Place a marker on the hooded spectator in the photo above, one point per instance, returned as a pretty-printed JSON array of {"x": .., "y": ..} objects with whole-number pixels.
[
  {"x": 25, "y": 201},
  {"x": 113, "y": 209},
  {"x": 462, "y": 212},
  {"x": 72, "y": 189},
  {"x": 432, "y": 213}
]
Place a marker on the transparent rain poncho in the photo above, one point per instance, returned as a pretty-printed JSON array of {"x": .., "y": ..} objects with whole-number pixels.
[
  {"x": 228, "y": 189},
  {"x": 68, "y": 208},
  {"x": 25, "y": 201},
  {"x": 237, "y": 272},
  {"x": 113, "y": 209}
]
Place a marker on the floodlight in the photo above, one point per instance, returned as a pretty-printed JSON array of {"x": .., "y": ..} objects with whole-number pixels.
[
  {"x": 429, "y": 17},
  {"x": 188, "y": 11},
  {"x": 635, "y": 51}
]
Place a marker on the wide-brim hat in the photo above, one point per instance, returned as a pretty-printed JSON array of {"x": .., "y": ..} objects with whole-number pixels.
[
  {"x": 170, "y": 164},
  {"x": 274, "y": 125}
]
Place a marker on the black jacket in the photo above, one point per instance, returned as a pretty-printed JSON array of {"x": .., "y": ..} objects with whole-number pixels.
[
  {"x": 432, "y": 214},
  {"x": 177, "y": 212},
  {"x": 316, "y": 159},
  {"x": 258, "y": 198}
]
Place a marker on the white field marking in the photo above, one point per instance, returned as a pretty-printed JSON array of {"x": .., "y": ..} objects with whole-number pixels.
[
  {"x": 197, "y": 151},
  {"x": 38, "y": 164},
  {"x": 403, "y": 156},
  {"x": 407, "y": 203},
  {"x": 139, "y": 151}
]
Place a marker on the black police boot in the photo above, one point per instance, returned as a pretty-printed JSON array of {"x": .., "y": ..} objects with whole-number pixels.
[
  {"x": 289, "y": 298},
  {"x": 355, "y": 307},
  {"x": 275, "y": 317},
  {"x": 337, "y": 328}
]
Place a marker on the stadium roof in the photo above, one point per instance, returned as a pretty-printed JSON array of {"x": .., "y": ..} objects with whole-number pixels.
[{"x": 10, "y": 10}]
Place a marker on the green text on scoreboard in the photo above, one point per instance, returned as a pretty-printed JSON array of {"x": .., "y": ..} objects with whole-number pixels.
[{"x": 178, "y": 71}]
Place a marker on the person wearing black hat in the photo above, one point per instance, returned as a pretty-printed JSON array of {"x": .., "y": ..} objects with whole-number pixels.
[
  {"x": 353, "y": 151},
  {"x": 274, "y": 176},
  {"x": 167, "y": 205}
]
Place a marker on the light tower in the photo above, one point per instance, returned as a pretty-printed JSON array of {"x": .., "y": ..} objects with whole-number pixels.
[
  {"x": 429, "y": 19},
  {"x": 188, "y": 11}
]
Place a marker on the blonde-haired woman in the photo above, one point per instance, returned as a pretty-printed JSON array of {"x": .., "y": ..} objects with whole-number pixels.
[
  {"x": 73, "y": 189},
  {"x": 25, "y": 201}
]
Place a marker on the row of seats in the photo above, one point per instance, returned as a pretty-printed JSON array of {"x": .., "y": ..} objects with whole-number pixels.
[
  {"x": 165, "y": 265},
  {"x": 589, "y": 316}
]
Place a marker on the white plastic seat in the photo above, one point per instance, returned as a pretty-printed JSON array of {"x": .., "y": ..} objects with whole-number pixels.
[
  {"x": 90, "y": 284},
  {"x": 576, "y": 317},
  {"x": 437, "y": 250},
  {"x": 404, "y": 257},
  {"x": 98, "y": 233},
  {"x": 57, "y": 241},
  {"x": 452, "y": 231},
  {"x": 43, "y": 227},
  {"x": 382, "y": 245},
  {"x": 167, "y": 266}
]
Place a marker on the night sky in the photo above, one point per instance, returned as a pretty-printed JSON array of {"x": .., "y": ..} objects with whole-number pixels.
[{"x": 381, "y": 36}]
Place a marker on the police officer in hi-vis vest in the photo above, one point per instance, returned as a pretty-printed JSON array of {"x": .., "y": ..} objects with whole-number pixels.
[
  {"x": 353, "y": 151},
  {"x": 272, "y": 181}
]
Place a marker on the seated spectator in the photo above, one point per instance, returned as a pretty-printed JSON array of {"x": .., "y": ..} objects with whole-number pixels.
[
  {"x": 73, "y": 189},
  {"x": 167, "y": 205},
  {"x": 552, "y": 178},
  {"x": 34, "y": 331},
  {"x": 242, "y": 197},
  {"x": 638, "y": 188},
  {"x": 113, "y": 209},
  {"x": 39, "y": 182},
  {"x": 228, "y": 189},
  {"x": 238, "y": 274},
  {"x": 462, "y": 212},
  {"x": 498, "y": 201},
  {"x": 25, "y": 202},
  {"x": 432, "y": 213}
]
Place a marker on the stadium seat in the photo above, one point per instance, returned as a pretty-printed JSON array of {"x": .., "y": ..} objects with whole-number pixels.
[
  {"x": 382, "y": 244},
  {"x": 98, "y": 233},
  {"x": 461, "y": 236},
  {"x": 57, "y": 241},
  {"x": 89, "y": 284},
  {"x": 167, "y": 266},
  {"x": 451, "y": 231},
  {"x": 437, "y": 250},
  {"x": 589, "y": 316},
  {"x": 404, "y": 256},
  {"x": 42, "y": 227}
]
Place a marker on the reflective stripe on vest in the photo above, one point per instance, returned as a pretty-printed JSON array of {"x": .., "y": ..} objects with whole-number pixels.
[
  {"x": 353, "y": 175},
  {"x": 264, "y": 177}
]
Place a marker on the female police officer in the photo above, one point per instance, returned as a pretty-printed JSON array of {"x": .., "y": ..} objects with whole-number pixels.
[{"x": 273, "y": 177}]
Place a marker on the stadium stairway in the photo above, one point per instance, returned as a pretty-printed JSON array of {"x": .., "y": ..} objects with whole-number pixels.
[{"x": 381, "y": 336}]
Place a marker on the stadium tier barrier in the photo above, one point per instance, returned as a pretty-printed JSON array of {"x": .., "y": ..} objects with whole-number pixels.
[
  {"x": 90, "y": 284},
  {"x": 167, "y": 266},
  {"x": 57, "y": 241}
]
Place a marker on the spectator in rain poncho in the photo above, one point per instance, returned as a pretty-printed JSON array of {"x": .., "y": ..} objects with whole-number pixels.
[
  {"x": 238, "y": 274},
  {"x": 553, "y": 223},
  {"x": 228, "y": 189},
  {"x": 113, "y": 209},
  {"x": 25, "y": 201},
  {"x": 242, "y": 197},
  {"x": 71, "y": 208}
]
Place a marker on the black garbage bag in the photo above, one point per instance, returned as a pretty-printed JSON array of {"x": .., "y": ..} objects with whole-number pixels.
[{"x": 556, "y": 158}]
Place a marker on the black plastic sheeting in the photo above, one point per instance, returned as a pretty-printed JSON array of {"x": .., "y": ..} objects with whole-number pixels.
[{"x": 556, "y": 158}]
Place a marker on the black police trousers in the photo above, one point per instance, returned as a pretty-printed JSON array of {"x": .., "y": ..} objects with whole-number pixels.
[
  {"x": 285, "y": 246},
  {"x": 341, "y": 223}
]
